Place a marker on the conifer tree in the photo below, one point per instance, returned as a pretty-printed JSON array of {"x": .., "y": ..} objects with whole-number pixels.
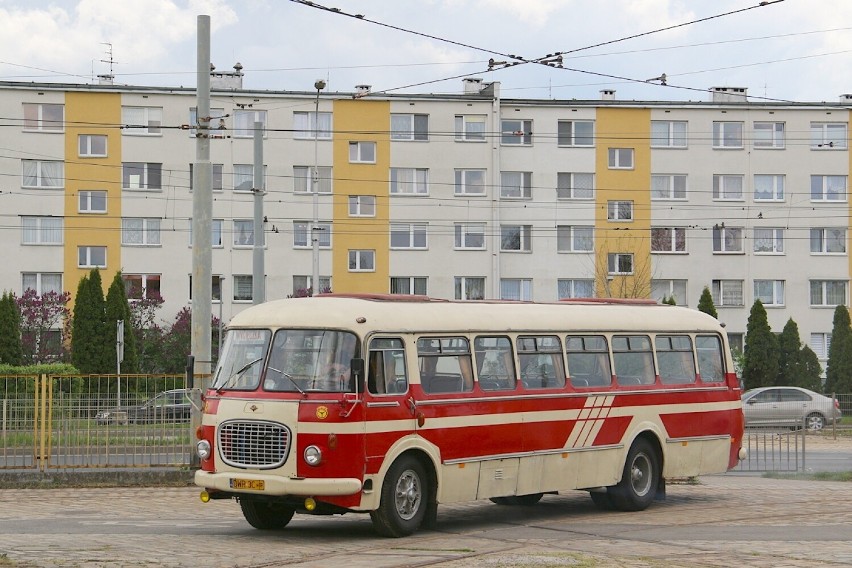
[
  {"x": 811, "y": 370},
  {"x": 11, "y": 350},
  {"x": 92, "y": 344},
  {"x": 705, "y": 303},
  {"x": 760, "y": 368},
  {"x": 789, "y": 359},
  {"x": 838, "y": 372},
  {"x": 118, "y": 308}
]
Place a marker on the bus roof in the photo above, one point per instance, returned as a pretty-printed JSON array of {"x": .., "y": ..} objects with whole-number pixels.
[{"x": 363, "y": 313}]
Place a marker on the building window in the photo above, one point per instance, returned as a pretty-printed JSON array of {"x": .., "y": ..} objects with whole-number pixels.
[
  {"x": 243, "y": 288},
  {"x": 728, "y": 187},
  {"x": 44, "y": 117},
  {"x": 244, "y": 177},
  {"x": 619, "y": 210},
  {"x": 470, "y": 236},
  {"x": 408, "y": 236},
  {"x": 769, "y": 135},
  {"x": 516, "y": 289},
  {"x": 140, "y": 175},
  {"x": 469, "y": 288},
  {"x": 92, "y": 145},
  {"x": 828, "y": 241},
  {"x": 516, "y": 185},
  {"x": 727, "y": 239},
  {"x": 362, "y": 205},
  {"x": 668, "y": 186},
  {"x": 668, "y": 239},
  {"x": 727, "y": 134},
  {"x": 619, "y": 263},
  {"x": 408, "y": 285},
  {"x": 668, "y": 134},
  {"x": 137, "y": 231},
  {"x": 362, "y": 261},
  {"x": 92, "y": 201},
  {"x": 575, "y": 238},
  {"x": 575, "y": 288},
  {"x": 47, "y": 174},
  {"x": 409, "y": 181},
  {"x": 244, "y": 122},
  {"x": 362, "y": 152},
  {"x": 828, "y": 293},
  {"x": 621, "y": 158},
  {"x": 828, "y": 136},
  {"x": 91, "y": 257},
  {"x": 310, "y": 126},
  {"x": 516, "y": 132},
  {"x": 820, "y": 344},
  {"x": 41, "y": 230},
  {"x": 576, "y": 133},
  {"x": 828, "y": 188},
  {"x": 769, "y": 292},
  {"x": 142, "y": 121},
  {"x": 216, "y": 226},
  {"x": 303, "y": 181},
  {"x": 662, "y": 289},
  {"x": 244, "y": 233},
  {"x": 516, "y": 238},
  {"x": 302, "y": 285},
  {"x": 768, "y": 241},
  {"x": 571, "y": 185},
  {"x": 470, "y": 182},
  {"x": 216, "y": 287},
  {"x": 41, "y": 282},
  {"x": 217, "y": 174},
  {"x": 727, "y": 292},
  {"x": 768, "y": 187},
  {"x": 216, "y": 119},
  {"x": 302, "y": 234},
  {"x": 470, "y": 128},
  {"x": 141, "y": 286},
  {"x": 410, "y": 127}
]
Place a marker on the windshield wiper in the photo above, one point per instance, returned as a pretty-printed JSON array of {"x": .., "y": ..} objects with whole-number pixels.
[
  {"x": 290, "y": 378},
  {"x": 238, "y": 374}
]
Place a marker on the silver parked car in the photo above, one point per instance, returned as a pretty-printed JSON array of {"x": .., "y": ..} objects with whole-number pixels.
[{"x": 789, "y": 406}]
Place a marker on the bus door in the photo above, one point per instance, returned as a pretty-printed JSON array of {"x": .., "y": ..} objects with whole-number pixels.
[{"x": 389, "y": 415}]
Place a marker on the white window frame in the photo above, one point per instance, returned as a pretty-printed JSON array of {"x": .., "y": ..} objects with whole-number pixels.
[
  {"x": 215, "y": 131},
  {"x": 217, "y": 227},
  {"x": 148, "y": 229},
  {"x": 85, "y": 254},
  {"x": 567, "y": 288},
  {"x": 409, "y": 181},
  {"x": 470, "y": 127},
  {"x": 303, "y": 180},
  {"x": 87, "y": 198},
  {"x": 820, "y": 344},
  {"x": 728, "y": 187},
  {"x": 620, "y": 158},
  {"x": 404, "y": 127},
  {"x": 516, "y": 132},
  {"x": 362, "y": 205},
  {"x": 619, "y": 211},
  {"x": 768, "y": 241},
  {"x": 242, "y": 288},
  {"x": 37, "y": 172},
  {"x": 826, "y": 238},
  {"x": 670, "y": 288},
  {"x": 819, "y": 290},
  {"x": 568, "y": 137},
  {"x": 769, "y": 184},
  {"x": 312, "y": 126},
  {"x": 515, "y": 185},
  {"x": 665, "y": 187},
  {"x": 39, "y": 123},
  {"x": 243, "y": 235},
  {"x": 770, "y": 293},
  {"x": 726, "y": 238},
  {"x": 674, "y": 239},
  {"x": 728, "y": 135},
  {"x": 146, "y": 290},
  {"x": 669, "y": 133},
  {"x": 217, "y": 176},
  {"x": 243, "y": 122},
  {"x": 824, "y": 188},
  {"x": 827, "y": 136},
  {"x": 245, "y": 173},
  {"x": 465, "y": 232},
  {"x": 772, "y": 135},
  {"x": 578, "y": 238},
  {"x": 463, "y": 186},
  {"x": 362, "y": 152},
  {"x": 619, "y": 263},
  {"x": 92, "y": 145},
  {"x": 520, "y": 234},
  {"x": 414, "y": 285},
  {"x": 466, "y": 287},
  {"x": 40, "y": 286},
  {"x": 145, "y": 181},
  {"x": 416, "y": 236},
  {"x": 575, "y": 185},
  {"x": 730, "y": 290},
  {"x": 148, "y": 122},
  {"x": 302, "y": 234},
  {"x": 216, "y": 284},
  {"x": 305, "y": 283},
  {"x": 42, "y": 231},
  {"x": 362, "y": 260},
  {"x": 519, "y": 289}
]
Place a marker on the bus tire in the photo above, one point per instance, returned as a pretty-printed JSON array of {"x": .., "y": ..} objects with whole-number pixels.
[
  {"x": 266, "y": 516},
  {"x": 602, "y": 500},
  {"x": 640, "y": 478},
  {"x": 403, "y": 503}
]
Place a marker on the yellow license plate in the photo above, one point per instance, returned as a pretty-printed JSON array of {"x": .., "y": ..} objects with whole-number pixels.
[{"x": 251, "y": 484}]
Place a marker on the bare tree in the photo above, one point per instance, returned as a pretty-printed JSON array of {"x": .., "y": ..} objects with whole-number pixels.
[{"x": 623, "y": 267}]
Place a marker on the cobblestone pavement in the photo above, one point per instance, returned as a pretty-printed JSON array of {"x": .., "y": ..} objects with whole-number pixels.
[{"x": 726, "y": 520}]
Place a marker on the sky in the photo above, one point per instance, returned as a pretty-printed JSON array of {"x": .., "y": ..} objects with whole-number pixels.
[{"x": 788, "y": 50}]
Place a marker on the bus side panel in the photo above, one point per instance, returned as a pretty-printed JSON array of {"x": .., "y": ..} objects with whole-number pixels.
[
  {"x": 459, "y": 482},
  {"x": 598, "y": 468}
]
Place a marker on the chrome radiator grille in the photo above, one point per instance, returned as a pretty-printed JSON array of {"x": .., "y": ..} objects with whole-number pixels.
[{"x": 253, "y": 443}]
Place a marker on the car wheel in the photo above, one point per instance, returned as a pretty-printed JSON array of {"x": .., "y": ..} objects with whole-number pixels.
[
  {"x": 266, "y": 516},
  {"x": 403, "y": 502},
  {"x": 639, "y": 480},
  {"x": 815, "y": 421}
]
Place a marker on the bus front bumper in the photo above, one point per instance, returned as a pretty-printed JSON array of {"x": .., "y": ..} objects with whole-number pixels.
[{"x": 264, "y": 484}]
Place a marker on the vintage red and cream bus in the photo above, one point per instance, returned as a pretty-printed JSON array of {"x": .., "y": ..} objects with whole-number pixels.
[{"x": 394, "y": 404}]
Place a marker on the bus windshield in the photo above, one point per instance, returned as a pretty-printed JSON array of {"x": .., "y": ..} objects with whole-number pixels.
[
  {"x": 310, "y": 360},
  {"x": 242, "y": 359}
]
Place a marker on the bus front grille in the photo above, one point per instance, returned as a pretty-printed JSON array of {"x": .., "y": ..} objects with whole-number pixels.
[{"x": 253, "y": 443}]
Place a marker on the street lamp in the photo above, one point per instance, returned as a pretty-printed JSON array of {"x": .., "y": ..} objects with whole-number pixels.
[{"x": 319, "y": 85}]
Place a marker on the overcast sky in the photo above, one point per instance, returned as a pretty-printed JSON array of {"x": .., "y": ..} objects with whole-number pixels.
[{"x": 796, "y": 50}]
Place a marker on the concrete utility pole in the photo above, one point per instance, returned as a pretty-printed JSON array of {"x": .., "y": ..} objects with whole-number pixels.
[
  {"x": 202, "y": 211},
  {"x": 319, "y": 85},
  {"x": 258, "y": 283}
]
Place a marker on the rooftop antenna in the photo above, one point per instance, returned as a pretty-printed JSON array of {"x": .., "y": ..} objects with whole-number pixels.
[{"x": 107, "y": 79}]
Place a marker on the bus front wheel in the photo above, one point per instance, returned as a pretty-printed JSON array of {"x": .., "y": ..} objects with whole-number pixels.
[
  {"x": 639, "y": 480},
  {"x": 402, "y": 507},
  {"x": 266, "y": 516}
]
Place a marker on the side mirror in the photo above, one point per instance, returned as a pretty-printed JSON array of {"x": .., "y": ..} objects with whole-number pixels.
[{"x": 357, "y": 367}]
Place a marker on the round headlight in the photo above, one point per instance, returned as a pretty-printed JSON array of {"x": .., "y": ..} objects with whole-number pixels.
[
  {"x": 202, "y": 448},
  {"x": 313, "y": 455}
]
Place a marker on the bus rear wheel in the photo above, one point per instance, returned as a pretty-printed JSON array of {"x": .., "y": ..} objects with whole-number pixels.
[
  {"x": 266, "y": 516},
  {"x": 403, "y": 502},
  {"x": 639, "y": 480}
]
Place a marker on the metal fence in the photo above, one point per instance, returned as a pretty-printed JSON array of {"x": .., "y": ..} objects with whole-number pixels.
[
  {"x": 103, "y": 421},
  {"x": 773, "y": 449}
]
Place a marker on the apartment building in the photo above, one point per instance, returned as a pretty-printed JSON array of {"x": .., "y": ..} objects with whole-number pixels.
[{"x": 467, "y": 196}]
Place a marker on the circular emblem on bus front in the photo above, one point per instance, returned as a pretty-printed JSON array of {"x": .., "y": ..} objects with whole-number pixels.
[{"x": 322, "y": 412}]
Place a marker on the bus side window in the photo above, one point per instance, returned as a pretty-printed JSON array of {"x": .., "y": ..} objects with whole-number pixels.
[
  {"x": 495, "y": 366},
  {"x": 674, "y": 356},
  {"x": 711, "y": 367},
  {"x": 386, "y": 370},
  {"x": 445, "y": 364},
  {"x": 634, "y": 362},
  {"x": 540, "y": 358},
  {"x": 588, "y": 361}
]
